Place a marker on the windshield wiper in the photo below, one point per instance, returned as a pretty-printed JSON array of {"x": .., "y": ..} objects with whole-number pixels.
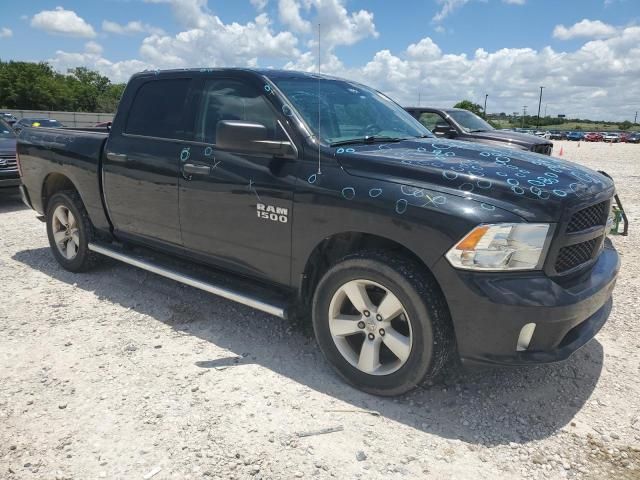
[{"x": 368, "y": 139}]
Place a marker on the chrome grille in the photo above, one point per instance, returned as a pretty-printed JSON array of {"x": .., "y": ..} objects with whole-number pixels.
[{"x": 8, "y": 162}]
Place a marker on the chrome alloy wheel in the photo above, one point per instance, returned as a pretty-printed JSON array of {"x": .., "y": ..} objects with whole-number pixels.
[
  {"x": 370, "y": 327},
  {"x": 65, "y": 232}
]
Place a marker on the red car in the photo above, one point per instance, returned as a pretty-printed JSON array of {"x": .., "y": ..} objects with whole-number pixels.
[{"x": 593, "y": 137}]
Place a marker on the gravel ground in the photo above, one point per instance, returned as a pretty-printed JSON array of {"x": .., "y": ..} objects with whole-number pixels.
[{"x": 118, "y": 373}]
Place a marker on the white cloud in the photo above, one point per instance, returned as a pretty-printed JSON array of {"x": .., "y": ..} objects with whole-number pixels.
[
  {"x": 448, "y": 7},
  {"x": 93, "y": 47},
  {"x": 190, "y": 13},
  {"x": 5, "y": 32},
  {"x": 289, "y": 12},
  {"x": 62, "y": 22},
  {"x": 585, "y": 28},
  {"x": 132, "y": 27},
  {"x": 260, "y": 4}
]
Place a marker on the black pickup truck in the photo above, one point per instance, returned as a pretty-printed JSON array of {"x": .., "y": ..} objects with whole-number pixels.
[
  {"x": 307, "y": 195},
  {"x": 459, "y": 124}
]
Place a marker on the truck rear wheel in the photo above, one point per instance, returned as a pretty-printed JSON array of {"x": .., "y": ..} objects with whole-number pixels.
[
  {"x": 382, "y": 323},
  {"x": 70, "y": 231}
]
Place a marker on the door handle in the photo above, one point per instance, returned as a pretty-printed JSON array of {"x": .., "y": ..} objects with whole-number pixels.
[
  {"x": 117, "y": 157},
  {"x": 189, "y": 169}
]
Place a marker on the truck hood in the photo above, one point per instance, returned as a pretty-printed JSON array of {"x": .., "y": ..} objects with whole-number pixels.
[
  {"x": 535, "y": 187},
  {"x": 7, "y": 146},
  {"x": 516, "y": 138}
]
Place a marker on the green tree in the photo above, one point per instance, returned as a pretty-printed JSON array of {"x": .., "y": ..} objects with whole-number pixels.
[
  {"x": 37, "y": 86},
  {"x": 469, "y": 105}
]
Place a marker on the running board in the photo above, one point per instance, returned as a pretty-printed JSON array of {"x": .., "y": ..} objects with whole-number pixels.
[{"x": 174, "y": 274}]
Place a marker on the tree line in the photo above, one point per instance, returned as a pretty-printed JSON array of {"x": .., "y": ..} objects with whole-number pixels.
[{"x": 37, "y": 86}]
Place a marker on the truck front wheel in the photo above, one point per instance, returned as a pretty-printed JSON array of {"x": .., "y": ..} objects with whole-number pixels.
[
  {"x": 70, "y": 231},
  {"x": 382, "y": 323}
]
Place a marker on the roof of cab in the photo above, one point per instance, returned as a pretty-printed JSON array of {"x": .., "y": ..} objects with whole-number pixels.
[{"x": 267, "y": 72}]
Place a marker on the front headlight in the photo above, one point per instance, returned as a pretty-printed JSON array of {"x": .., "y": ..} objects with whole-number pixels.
[{"x": 503, "y": 246}]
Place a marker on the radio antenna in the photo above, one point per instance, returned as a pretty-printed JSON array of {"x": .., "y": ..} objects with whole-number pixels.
[{"x": 319, "y": 116}]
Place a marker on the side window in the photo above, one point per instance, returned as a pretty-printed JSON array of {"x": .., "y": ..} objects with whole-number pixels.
[
  {"x": 157, "y": 109},
  {"x": 432, "y": 120},
  {"x": 234, "y": 100}
]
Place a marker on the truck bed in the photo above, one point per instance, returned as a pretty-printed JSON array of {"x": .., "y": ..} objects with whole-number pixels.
[{"x": 73, "y": 152}]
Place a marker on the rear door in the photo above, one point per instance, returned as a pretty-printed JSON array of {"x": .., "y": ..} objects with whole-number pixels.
[
  {"x": 236, "y": 207},
  {"x": 142, "y": 160}
]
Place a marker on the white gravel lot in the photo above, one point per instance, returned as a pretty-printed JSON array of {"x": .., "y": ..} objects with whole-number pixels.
[{"x": 121, "y": 374}]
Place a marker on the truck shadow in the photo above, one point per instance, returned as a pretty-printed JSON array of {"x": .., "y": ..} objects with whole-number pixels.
[
  {"x": 492, "y": 407},
  {"x": 10, "y": 200}
]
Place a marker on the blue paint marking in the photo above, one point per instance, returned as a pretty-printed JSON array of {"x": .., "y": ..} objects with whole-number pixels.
[
  {"x": 208, "y": 151},
  {"x": 312, "y": 178},
  {"x": 349, "y": 193},
  {"x": 401, "y": 206},
  {"x": 185, "y": 154},
  {"x": 450, "y": 175},
  {"x": 466, "y": 187},
  {"x": 486, "y": 206},
  {"x": 286, "y": 110},
  {"x": 267, "y": 88},
  {"x": 513, "y": 182},
  {"x": 375, "y": 192},
  {"x": 517, "y": 190},
  {"x": 560, "y": 193},
  {"x": 484, "y": 184}
]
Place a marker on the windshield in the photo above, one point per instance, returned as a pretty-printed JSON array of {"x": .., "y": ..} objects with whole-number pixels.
[
  {"x": 348, "y": 111},
  {"x": 5, "y": 130},
  {"x": 42, "y": 122},
  {"x": 469, "y": 122}
]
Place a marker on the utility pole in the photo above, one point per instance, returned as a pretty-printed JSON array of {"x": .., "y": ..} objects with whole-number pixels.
[
  {"x": 539, "y": 106},
  {"x": 524, "y": 113},
  {"x": 636, "y": 119},
  {"x": 485, "y": 105}
]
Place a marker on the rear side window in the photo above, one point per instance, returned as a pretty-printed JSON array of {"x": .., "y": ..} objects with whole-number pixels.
[
  {"x": 157, "y": 109},
  {"x": 234, "y": 100}
]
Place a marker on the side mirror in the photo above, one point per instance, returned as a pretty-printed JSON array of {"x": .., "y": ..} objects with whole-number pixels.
[
  {"x": 444, "y": 131},
  {"x": 250, "y": 137}
]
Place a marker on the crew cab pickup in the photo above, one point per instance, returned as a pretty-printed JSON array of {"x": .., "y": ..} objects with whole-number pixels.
[
  {"x": 460, "y": 124},
  {"x": 307, "y": 195}
]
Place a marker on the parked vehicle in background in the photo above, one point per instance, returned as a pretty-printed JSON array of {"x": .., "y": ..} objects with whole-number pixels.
[
  {"x": 404, "y": 250},
  {"x": 9, "y": 176},
  {"x": 634, "y": 137},
  {"x": 624, "y": 136},
  {"x": 542, "y": 133},
  {"x": 575, "y": 136},
  {"x": 611, "y": 137},
  {"x": 103, "y": 124},
  {"x": 459, "y": 124},
  {"x": 36, "y": 122},
  {"x": 557, "y": 135},
  {"x": 593, "y": 137},
  {"x": 8, "y": 117}
]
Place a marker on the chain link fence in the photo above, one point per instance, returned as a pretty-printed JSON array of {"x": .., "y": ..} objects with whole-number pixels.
[{"x": 69, "y": 119}]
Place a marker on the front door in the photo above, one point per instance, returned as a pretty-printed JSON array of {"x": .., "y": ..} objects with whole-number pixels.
[{"x": 236, "y": 207}]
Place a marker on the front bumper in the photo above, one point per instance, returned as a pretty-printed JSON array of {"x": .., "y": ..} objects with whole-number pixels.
[
  {"x": 9, "y": 179},
  {"x": 489, "y": 311}
]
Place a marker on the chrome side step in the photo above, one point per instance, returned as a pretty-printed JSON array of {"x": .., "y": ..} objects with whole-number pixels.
[{"x": 278, "y": 311}]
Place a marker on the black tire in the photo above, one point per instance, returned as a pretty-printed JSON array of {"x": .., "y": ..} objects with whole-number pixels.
[
  {"x": 416, "y": 289},
  {"x": 84, "y": 259}
]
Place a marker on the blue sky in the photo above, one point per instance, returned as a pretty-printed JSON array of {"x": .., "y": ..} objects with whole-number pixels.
[{"x": 462, "y": 48}]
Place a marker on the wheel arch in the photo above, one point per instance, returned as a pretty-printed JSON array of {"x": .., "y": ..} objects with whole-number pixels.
[
  {"x": 53, "y": 183},
  {"x": 334, "y": 247}
]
